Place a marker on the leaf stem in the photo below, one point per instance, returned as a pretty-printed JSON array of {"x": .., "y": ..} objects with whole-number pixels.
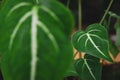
[
  {"x": 80, "y": 14},
  {"x": 106, "y": 12}
]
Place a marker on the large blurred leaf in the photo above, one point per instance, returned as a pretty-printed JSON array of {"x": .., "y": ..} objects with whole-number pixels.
[
  {"x": 88, "y": 68},
  {"x": 93, "y": 41},
  {"x": 34, "y": 40}
]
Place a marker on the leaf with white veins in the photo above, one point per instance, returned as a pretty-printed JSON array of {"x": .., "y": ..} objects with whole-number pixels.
[
  {"x": 94, "y": 41},
  {"x": 35, "y": 44},
  {"x": 88, "y": 69}
]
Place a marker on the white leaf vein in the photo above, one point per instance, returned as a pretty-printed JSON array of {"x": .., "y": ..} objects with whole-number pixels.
[
  {"x": 95, "y": 45},
  {"x": 85, "y": 61},
  {"x": 34, "y": 24},
  {"x": 94, "y": 30},
  {"x": 23, "y": 18},
  {"x": 18, "y": 6}
]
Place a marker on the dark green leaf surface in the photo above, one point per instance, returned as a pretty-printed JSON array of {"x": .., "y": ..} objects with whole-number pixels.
[
  {"x": 34, "y": 40},
  {"x": 71, "y": 71},
  {"x": 88, "y": 69},
  {"x": 93, "y": 41},
  {"x": 87, "y": 56}
]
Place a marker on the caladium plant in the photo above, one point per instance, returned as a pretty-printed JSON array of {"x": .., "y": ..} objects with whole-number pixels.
[
  {"x": 34, "y": 39},
  {"x": 94, "y": 42},
  {"x": 35, "y": 43}
]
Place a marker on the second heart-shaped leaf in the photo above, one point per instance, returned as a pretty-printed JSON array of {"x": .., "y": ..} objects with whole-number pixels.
[{"x": 88, "y": 68}]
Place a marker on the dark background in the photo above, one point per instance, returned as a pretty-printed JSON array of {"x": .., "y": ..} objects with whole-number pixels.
[{"x": 92, "y": 10}]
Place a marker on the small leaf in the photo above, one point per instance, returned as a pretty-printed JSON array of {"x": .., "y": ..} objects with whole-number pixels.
[
  {"x": 88, "y": 69},
  {"x": 93, "y": 41}
]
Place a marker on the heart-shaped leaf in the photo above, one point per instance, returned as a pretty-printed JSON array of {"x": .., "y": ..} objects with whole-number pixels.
[
  {"x": 93, "y": 41},
  {"x": 88, "y": 69},
  {"x": 34, "y": 40}
]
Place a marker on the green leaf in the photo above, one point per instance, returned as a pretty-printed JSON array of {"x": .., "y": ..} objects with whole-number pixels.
[
  {"x": 71, "y": 71},
  {"x": 1, "y": 2},
  {"x": 88, "y": 69},
  {"x": 113, "y": 49},
  {"x": 34, "y": 40},
  {"x": 87, "y": 56},
  {"x": 117, "y": 27},
  {"x": 93, "y": 41}
]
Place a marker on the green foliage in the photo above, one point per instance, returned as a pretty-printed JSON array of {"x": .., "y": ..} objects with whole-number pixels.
[
  {"x": 71, "y": 71},
  {"x": 93, "y": 41},
  {"x": 96, "y": 44},
  {"x": 88, "y": 68},
  {"x": 34, "y": 40},
  {"x": 35, "y": 44},
  {"x": 1, "y": 3},
  {"x": 113, "y": 49},
  {"x": 113, "y": 46},
  {"x": 117, "y": 28}
]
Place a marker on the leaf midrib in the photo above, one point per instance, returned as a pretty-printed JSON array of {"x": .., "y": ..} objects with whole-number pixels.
[
  {"x": 95, "y": 45},
  {"x": 35, "y": 23}
]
